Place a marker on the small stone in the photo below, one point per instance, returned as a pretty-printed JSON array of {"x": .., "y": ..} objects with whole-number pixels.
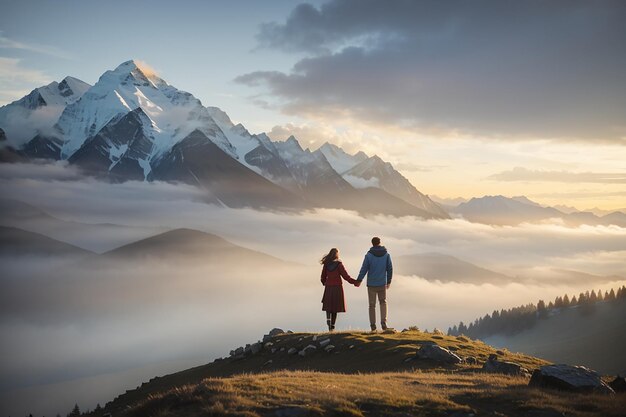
[
  {"x": 269, "y": 344},
  {"x": 292, "y": 351},
  {"x": 273, "y": 350},
  {"x": 300, "y": 340},
  {"x": 314, "y": 338},
  {"x": 409, "y": 359},
  {"x": 389, "y": 331},
  {"x": 437, "y": 331},
  {"x": 268, "y": 363},
  {"x": 324, "y": 342},
  {"x": 351, "y": 347},
  {"x": 329, "y": 348},
  {"x": 437, "y": 353},
  {"x": 504, "y": 367},
  {"x": 276, "y": 331},
  {"x": 307, "y": 350}
]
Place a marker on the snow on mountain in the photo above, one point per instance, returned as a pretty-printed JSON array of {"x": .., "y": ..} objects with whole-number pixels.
[
  {"x": 38, "y": 111},
  {"x": 340, "y": 160},
  {"x": 374, "y": 172},
  {"x": 173, "y": 114}
]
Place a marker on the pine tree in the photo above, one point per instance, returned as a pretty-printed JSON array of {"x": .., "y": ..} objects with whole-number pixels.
[
  {"x": 574, "y": 301},
  {"x": 593, "y": 297},
  {"x": 566, "y": 301},
  {"x": 541, "y": 309},
  {"x": 611, "y": 296},
  {"x": 75, "y": 411}
]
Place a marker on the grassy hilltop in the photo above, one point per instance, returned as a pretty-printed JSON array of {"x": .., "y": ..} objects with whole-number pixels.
[{"x": 363, "y": 375}]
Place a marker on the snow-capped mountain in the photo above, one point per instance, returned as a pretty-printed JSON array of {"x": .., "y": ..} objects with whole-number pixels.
[
  {"x": 38, "y": 111},
  {"x": 172, "y": 114},
  {"x": 340, "y": 160},
  {"x": 362, "y": 171},
  {"x": 133, "y": 125}
]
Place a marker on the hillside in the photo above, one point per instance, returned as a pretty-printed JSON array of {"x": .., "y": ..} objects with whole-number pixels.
[
  {"x": 363, "y": 374},
  {"x": 190, "y": 245},
  {"x": 18, "y": 242},
  {"x": 446, "y": 268},
  {"x": 595, "y": 338}
]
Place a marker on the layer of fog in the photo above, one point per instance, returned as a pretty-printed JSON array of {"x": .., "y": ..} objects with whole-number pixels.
[{"x": 81, "y": 323}]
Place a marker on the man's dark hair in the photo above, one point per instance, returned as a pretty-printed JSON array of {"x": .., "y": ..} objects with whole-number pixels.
[{"x": 375, "y": 241}]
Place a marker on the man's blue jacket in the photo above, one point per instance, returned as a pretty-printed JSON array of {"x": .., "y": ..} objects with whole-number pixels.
[{"x": 377, "y": 265}]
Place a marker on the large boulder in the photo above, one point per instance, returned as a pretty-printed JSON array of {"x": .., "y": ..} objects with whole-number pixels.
[
  {"x": 274, "y": 332},
  {"x": 437, "y": 353},
  {"x": 569, "y": 378},
  {"x": 494, "y": 365}
]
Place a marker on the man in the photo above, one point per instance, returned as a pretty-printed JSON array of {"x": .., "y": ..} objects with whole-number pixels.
[{"x": 377, "y": 266}]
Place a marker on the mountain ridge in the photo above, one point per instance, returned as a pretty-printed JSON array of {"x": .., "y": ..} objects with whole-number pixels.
[{"x": 125, "y": 125}]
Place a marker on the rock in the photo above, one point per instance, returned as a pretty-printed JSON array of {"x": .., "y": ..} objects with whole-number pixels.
[
  {"x": 618, "y": 384},
  {"x": 300, "y": 340},
  {"x": 351, "y": 347},
  {"x": 307, "y": 350},
  {"x": 437, "y": 331},
  {"x": 274, "y": 350},
  {"x": 462, "y": 339},
  {"x": 289, "y": 332},
  {"x": 269, "y": 345},
  {"x": 275, "y": 332},
  {"x": 247, "y": 349},
  {"x": 238, "y": 351},
  {"x": 389, "y": 331},
  {"x": 503, "y": 367},
  {"x": 329, "y": 348},
  {"x": 569, "y": 378},
  {"x": 437, "y": 353},
  {"x": 292, "y": 351},
  {"x": 314, "y": 338},
  {"x": 256, "y": 348},
  {"x": 471, "y": 360},
  {"x": 500, "y": 352},
  {"x": 409, "y": 359},
  {"x": 324, "y": 342},
  {"x": 438, "y": 337},
  {"x": 268, "y": 363}
]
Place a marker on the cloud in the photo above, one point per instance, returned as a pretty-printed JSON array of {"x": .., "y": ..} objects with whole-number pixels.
[
  {"x": 524, "y": 174},
  {"x": 73, "y": 321},
  {"x": 509, "y": 70},
  {"x": 7, "y": 43},
  {"x": 15, "y": 79}
]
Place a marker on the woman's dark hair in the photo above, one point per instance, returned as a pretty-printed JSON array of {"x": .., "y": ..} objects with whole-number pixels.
[{"x": 330, "y": 257}]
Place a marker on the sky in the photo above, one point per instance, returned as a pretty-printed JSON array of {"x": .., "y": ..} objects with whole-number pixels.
[{"x": 479, "y": 98}]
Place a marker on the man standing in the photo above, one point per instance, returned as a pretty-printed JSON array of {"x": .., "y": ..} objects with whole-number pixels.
[{"x": 377, "y": 266}]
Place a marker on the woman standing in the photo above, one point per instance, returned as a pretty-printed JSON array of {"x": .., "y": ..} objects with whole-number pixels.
[{"x": 333, "y": 301}]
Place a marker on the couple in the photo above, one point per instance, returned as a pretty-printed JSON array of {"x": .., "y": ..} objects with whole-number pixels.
[{"x": 377, "y": 266}]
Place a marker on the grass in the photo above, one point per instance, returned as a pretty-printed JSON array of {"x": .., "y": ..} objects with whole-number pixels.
[{"x": 365, "y": 375}]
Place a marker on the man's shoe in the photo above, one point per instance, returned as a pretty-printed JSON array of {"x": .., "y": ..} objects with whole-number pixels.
[{"x": 373, "y": 328}]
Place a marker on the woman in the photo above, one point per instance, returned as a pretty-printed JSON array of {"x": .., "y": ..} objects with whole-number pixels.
[{"x": 333, "y": 301}]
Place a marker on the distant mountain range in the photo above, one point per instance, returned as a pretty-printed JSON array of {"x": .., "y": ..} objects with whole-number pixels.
[
  {"x": 133, "y": 125},
  {"x": 500, "y": 210}
]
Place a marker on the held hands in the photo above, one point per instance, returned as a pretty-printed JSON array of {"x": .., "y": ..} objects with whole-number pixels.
[{"x": 357, "y": 283}]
